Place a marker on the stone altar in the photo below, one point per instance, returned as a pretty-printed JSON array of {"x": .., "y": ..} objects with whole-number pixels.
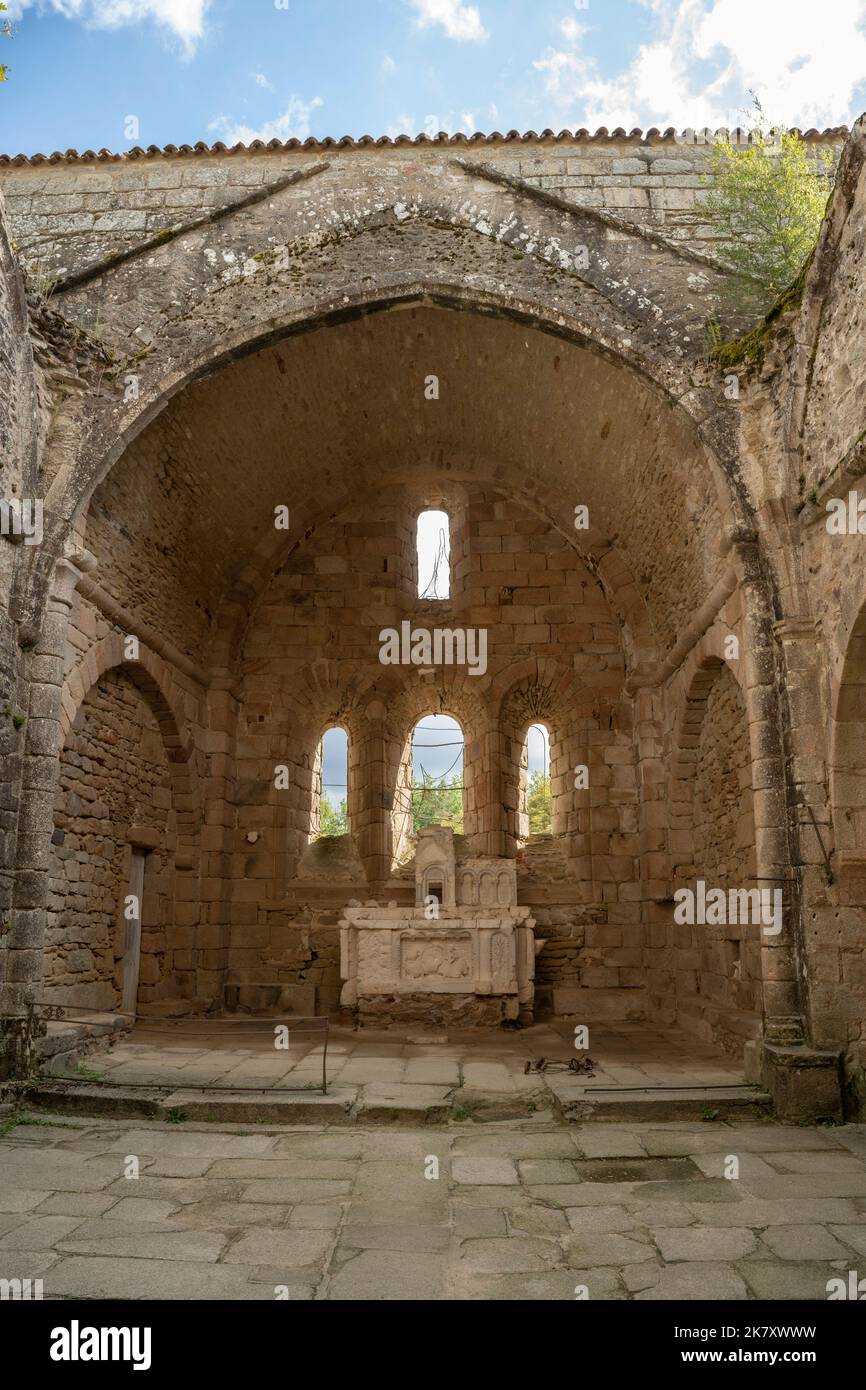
[{"x": 464, "y": 955}]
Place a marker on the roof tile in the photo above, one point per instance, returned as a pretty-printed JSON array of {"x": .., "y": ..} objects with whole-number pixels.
[{"x": 619, "y": 135}]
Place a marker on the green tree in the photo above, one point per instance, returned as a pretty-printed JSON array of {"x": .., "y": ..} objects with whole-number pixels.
[
  {"x": 334, "y": 820},
  {"x": 539, "y": 804},
  {"x": 438, "y": 802},
  {"x": 767, "y": 199},
  {"x": 6, "y": 31}
]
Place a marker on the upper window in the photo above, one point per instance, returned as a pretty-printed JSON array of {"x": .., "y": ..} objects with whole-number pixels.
[
  {"x": 433, "y": 542},
  {"x": 331, "y": 784}
]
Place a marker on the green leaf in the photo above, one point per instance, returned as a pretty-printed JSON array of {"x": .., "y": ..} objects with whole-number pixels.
[
  {"x": 539, "y": 804},
  {"x": 767, "y": 201}
]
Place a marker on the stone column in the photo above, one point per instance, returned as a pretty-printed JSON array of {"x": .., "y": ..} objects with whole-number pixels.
[
  {"x": 782, "y": 1000},
  {"x": 810, "y": 811},
  {"x": 207, "y": 898},
  {"x": 373, "y": 797},
  {"x": 804, "y": 1081},
  {"x": 486, "y": 762}
]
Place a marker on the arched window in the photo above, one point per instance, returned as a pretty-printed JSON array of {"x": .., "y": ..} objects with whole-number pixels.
[
  {"x": 536, "y": 802},
  {"x": 331, "y": 785},
  {"x": 437, "y": 773},
  {"x": 433, "y": 551}
]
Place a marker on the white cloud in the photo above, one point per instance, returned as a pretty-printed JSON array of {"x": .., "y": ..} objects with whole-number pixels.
[
  {"x": 404, "y": 125},
  {"x": 432, "y": 125},
  {"x": 705, "y": 57},
  {"x": 182, "y": 18},
  {"x": 261, "y": 81},
  {"x": 461, "y": 22},
  {"x": 294, "y": 123},
  {"x": 571, "y": 30},
  {"x": 388, "y": 66}
]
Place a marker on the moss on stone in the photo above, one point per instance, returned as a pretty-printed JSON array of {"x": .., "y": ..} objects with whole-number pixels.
[{"x": 751, "y": 347}]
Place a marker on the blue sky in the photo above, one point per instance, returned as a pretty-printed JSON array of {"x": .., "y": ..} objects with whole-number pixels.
[{"x": 192, "y": 70}]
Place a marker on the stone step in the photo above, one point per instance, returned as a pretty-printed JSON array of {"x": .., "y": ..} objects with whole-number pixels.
[
  {"x": 401, "y": 1103},
  {"x": 663, "y": 1103},
  {"x": 166, "y": 1103}
]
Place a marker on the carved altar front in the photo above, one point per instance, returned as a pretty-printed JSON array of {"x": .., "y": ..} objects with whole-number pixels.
[{"x": 464, "y": 954}]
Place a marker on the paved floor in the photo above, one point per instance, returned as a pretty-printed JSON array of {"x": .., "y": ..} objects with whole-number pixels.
[
  {"x": 527, "y": 1211},
  {"x": 427, "y": 1072}
]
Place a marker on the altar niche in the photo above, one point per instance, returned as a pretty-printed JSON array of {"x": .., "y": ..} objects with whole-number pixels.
[{"x": 464, "y": 956}]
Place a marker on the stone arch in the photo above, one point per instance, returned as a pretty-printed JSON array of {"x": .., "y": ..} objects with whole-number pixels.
[
  {"x": 848, "y": 754},
  {"x": 173, "y": 366},
  {"x": 717, "y": 968},
  {"x": 212, "y": 344},
  {"x": 395, "y": 704},
  {"x": 688, "y": 693},
  {"x": 157, "y": 391},
  {"x": 142, "y": 768},
  {"x": 528, "y": 235},
  {"x": 546, "y": 692},
  {"x": 412, "y": 709},
  {"x": 278, "y": 810},
  {"x": 158, "y": 683},
  {"x": 837, "y": 926},
  {"x": 149, "y": 671}
]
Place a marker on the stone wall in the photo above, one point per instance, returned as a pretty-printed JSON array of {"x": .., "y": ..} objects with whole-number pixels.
[
  {"x": 114, "y": 777},
  {"x": 276, "y": 354},
  {"x": 20, "y": 956},
  {"x": 69, "y": 213},
  {"x": 11, "y": 440},
  {"x": 718, "y": 967},
  {"x": 310, "y": 660}
]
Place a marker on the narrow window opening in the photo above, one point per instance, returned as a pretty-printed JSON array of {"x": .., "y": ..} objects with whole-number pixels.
[
  {"x": 433, "y": 550},
  {"x": 536, "y": 800},
  {"x": 437, "y": 773},
  {"x": 331, "y": 785}
]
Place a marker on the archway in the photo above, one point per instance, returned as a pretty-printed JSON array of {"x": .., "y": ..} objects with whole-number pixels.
[
  {"x": 717, "y": 965},
  {"x": 112, "y": 940},
  {"x": 837, "y": 929},
  {"x": 351, "y": 454}
]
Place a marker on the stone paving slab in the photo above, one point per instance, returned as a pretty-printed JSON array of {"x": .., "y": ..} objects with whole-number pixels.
[
  {"x": 110, "y": 1277},
  {"x": 479, "y": 1071},
  {"x": 364, "y": 1214},
  {"x": 693, "y": 1283},
  {"x": 685, "y": 1139},
  {"x": 481, "y": 1171},
  {"x": 284, "y": 1167},
  {"x": 281, "y": 1247},
  {"x": 397, "y": 1236},
  {"x": 100, "y": 1238},
  {"x": 854, "y": 1236},
  {"x": 376, "y": 1275}
]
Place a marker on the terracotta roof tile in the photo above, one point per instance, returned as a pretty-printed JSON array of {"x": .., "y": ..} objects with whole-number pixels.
[{"x": 529, "y": 137}]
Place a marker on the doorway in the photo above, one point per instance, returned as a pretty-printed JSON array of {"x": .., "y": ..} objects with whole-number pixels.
[{"x": 132, "y": 930}]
